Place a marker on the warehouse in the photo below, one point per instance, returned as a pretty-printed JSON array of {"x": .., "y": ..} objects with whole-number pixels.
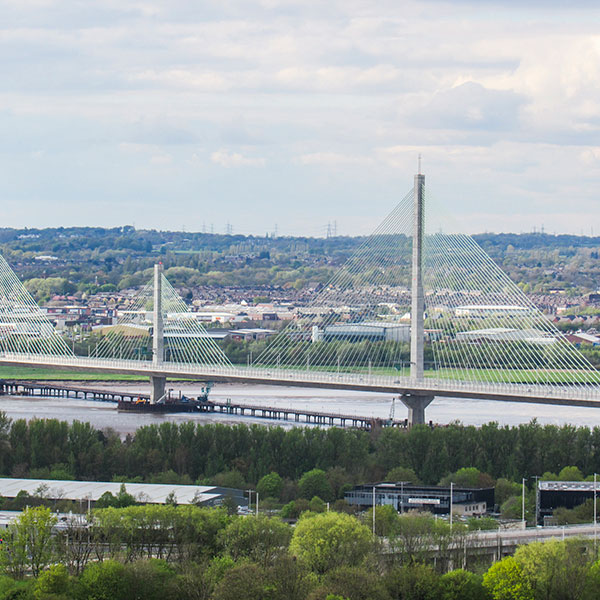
[{"x": 147, "y": 493}]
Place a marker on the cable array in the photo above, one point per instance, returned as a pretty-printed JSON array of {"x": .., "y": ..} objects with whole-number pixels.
[
  {"x": 186, "y": 340},
  {"x": 482, "y": 326},
  {"x": 353, "y": 324},
  {"x": 24, "y": 327}
]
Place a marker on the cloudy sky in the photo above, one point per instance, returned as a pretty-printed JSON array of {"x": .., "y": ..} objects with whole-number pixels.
[{"x": 188, "y": 114}]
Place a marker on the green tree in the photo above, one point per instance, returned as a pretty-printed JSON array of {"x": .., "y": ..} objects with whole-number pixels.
[
  {"x": 315, "y": 483},
  {"x": 270, "y": 486},
  {"x": 329, "y": 540},
  {"x": 402, "y": 474},
  {"x": 152, "y": 579},
  {"x": 416, "y": 581},
  {"x": 261, "y": 539},
  {"x": 243, "y": 581},
  {"x": 386, "y": 519},
  {"x": 317, "y": 505},
  {"x": 555, "y": 569},
  {"x": 570, "y": 474},
  {"x": 504, "y": 580},
  {"x": 106, "y": 580},
  {"x": 461, "y": 585},
  {"x": 28, "y": 543},
  {"x": 505, "y": 489},
  {"x": 53, "y": 583},
  {"x": 352, "y": 583}
]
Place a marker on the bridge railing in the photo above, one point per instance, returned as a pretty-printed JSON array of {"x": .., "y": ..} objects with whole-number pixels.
[{"x": 327, "y": 378}]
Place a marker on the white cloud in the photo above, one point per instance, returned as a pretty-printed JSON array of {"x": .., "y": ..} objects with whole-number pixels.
[
  {"x": 507, "y": 100},
  {"x": 228, "y": 159}
]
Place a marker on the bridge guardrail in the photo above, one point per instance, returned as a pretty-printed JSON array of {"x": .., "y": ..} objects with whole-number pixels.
[{"x": 328, "y": 378}]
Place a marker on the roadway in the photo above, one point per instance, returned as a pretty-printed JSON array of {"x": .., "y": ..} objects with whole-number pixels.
[{"x": 582, "y": 396}]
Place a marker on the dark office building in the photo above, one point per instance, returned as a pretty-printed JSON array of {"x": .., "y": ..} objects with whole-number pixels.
[
  {"x": 567, "y": 494},
  {"x": 405, "y": 496}
]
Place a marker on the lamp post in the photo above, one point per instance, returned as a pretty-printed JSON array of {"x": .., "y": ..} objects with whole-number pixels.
[
  {"x": 524, "y": 524},
  {"x": 451, "y": 493},
  {"x": 537, "y": 500},
  {"x": 257, "y": 504},
  {"x": 595, "y": 512},
  {"x": 373, "y": 510}
]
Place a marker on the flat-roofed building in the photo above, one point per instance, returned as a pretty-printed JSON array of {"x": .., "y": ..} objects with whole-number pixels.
[
  {"x": 405, "y": 496},
  {"x": 563, "y": 494},
  {"x": 375, "y": 331}
]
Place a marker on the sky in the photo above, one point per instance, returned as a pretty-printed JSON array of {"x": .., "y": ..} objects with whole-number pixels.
[{"x": 292, "y": 114}]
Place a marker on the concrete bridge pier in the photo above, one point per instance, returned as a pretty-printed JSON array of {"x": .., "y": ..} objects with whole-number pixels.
[
  {"x": 416, "y": 407},
  {"x": 157, "y": 388}
]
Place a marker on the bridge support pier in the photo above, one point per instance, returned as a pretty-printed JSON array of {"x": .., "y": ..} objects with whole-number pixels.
[
  {"x": 416, "y": 407},
  {"x": 157, "y": 388}
]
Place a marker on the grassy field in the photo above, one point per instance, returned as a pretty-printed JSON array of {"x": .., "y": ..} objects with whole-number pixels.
[
  {"x": 478, "y": 375},
  {"x": 31, "y": 374}
]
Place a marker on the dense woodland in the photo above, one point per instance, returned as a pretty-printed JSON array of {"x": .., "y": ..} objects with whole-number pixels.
[{"x": 196, "y": 452}]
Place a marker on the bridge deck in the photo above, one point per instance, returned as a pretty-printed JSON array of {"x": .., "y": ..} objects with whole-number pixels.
[{"x": 585, "y": 396}]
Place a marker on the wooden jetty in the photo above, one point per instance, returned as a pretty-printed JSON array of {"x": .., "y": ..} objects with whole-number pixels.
[{"x": 127, "y": 400}]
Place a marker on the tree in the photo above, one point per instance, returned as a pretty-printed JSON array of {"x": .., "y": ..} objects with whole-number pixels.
[
  {"x": 570, "y": 474},
  {"x": 504, "y": 580},
  {"x": 402, "y": 474},
  {"x": 386, "y": 519},
  {"x": 289, "y": 579},
  {"x": 317, "y": 505},
  {"x": 415, "y": 533},
  {"x": 260, "y": 539},
  {"x": 28, "y": 543},
  {"x": 505, "y": 489},
  {"x": 243, "y": 581},
  {"x": 329, "y": 540},
  {"x": 270, "y": 486},
  {"x": 106, "y": 580},
  {"x": 314, "y": 483},
  {"x": 461, "y": 585},
  {"x": 152, "y": 579},
  {"x": 415, "y": 581},
  {"x": 555, "y": 569},
  {"x": 54, "y": 583},
  {"x": 352, "y": 583}
]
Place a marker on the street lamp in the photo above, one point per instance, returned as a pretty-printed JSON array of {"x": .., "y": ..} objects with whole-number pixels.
[
  {"x": 451, "y": 493},
  {"x": 595, "y": 512},
  {"x": 373, "y": 510},
  {"x": 524, "y": 524}
]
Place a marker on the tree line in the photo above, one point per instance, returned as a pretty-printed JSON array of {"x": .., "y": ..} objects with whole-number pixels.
[{"x": 193, "y": 452}]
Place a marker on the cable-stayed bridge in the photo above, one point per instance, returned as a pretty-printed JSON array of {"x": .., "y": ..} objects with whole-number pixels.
[{"x": 411, "y": 313}]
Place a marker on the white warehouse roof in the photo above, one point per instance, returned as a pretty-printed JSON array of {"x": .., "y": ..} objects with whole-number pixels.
[{"x": 152, "y": 493}]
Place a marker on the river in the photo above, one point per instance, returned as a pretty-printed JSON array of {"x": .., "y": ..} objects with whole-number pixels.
[{"x": 441, "y": 410}]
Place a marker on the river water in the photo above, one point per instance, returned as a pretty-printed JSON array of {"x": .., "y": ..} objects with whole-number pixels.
[{"x": 441, "y": 410}]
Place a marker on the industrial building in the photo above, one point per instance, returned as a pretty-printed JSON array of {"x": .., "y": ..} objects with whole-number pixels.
[
  {"x": 404, "y": 496},
  {"x": 562, "y": 494},
  {"x": 376, "y": 331},
  {"x": 506, "y": 334},
  {"x": 146, "y": 493}
]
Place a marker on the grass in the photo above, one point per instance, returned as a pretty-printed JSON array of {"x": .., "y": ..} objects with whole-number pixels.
[
  {"x": 522, "y": 376},
  {"x": 33, "y": 374}
]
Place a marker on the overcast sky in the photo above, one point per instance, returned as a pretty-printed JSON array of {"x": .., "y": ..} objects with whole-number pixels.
[{"x": 189, "y": 114}]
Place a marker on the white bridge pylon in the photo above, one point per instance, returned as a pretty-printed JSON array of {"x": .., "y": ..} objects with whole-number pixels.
[{"x": 479, "y": 336}]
